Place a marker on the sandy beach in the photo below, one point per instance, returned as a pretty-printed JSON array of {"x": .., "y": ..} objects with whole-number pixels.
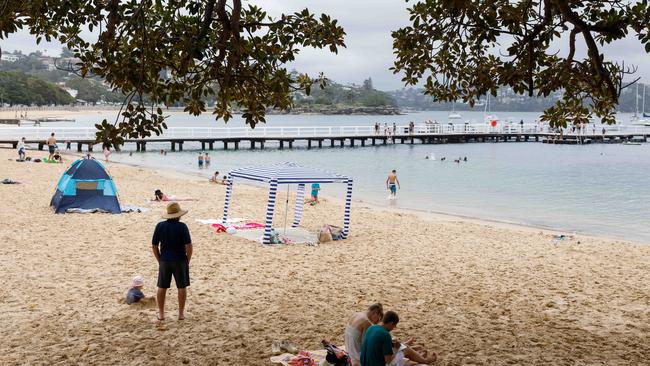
[{"x": 477, "y": 293}]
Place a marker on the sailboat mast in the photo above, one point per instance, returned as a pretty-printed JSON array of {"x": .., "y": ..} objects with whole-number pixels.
[
  {"x": 636, "y": 98},
  {"x": 643, "y": 102}
]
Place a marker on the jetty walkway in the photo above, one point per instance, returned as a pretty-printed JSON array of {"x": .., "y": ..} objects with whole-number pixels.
[{"x": 333, "y": 136}]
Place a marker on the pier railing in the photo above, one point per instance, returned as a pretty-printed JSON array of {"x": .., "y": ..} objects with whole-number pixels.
[{"x": 207, "y": 133}]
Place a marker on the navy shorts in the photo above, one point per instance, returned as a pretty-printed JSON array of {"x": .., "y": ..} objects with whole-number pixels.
[
  {"x": 51, "y": 148},
  {"x": 393, "y": 188},
  {"x": 179, "y": 270}
]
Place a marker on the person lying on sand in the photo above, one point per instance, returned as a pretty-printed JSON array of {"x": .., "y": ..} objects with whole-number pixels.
[
  {"x": 378, "y": 347},
  {"x": 356, "y": 327},
  {"x": 159, "y": 196}
]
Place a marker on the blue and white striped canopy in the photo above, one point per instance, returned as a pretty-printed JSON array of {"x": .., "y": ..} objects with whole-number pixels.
[{"x": 287, "y": 173}]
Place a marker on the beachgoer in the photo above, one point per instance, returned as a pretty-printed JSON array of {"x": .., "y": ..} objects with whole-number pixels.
[
  {"x": 22, "y": 148},
  {"x": 392, "y": 184},
  {"x": 172, "y": 248},
  {"x": 379, "y": 349},
  {"x": 51, "y": 145},
  {"x": 376, "y": 128},
  {"x": 68, "y": 145},
  {"x": 207, "y": 160},
  {"x": 162, "y": 152},
  {"x": 135, "y": 294},
  {"x": 314, "y": 193},
  {"x": 386, "y": 128},
  {"x": 57, "y": 157},
  {"x": 107, "y": 153},
  {"x": 394, "y": 128},
  {"x": 604, "y": 130},
  {"x": 200, "y": 160},
  {"x": 377, "y": 346},
  {"x": 224, "y": 180},
  {"x": 215, "y": 178},
  {"x": 356, "y": 328},
  {"x": 159, "y": 196}
]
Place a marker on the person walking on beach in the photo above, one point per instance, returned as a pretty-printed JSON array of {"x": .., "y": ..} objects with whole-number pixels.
[
  {"x": 172, "y": 248},
  {"x": 51, "y": 145},
  {"x": 21, "y": 149},
  {"x": 107, "y": 153},
  {"x": 392, "y": 183}
]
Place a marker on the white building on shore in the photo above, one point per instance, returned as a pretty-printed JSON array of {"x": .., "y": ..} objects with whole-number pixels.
[{"x": 9, "y": 57}]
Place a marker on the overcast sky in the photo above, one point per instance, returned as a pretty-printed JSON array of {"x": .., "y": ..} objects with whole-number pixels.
[{"x": 368, "y": 24}]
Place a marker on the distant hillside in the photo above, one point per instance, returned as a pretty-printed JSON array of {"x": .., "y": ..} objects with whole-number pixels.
[
  {"x": 507, "y": 100},
  {"x": 20, "y": 88},
  {"x": 351, "y": 97}
]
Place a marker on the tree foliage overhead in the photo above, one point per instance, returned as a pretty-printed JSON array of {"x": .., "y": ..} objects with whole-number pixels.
[
  {"x": 464, "y": 49},
  {"x": 179, "y": 51}
]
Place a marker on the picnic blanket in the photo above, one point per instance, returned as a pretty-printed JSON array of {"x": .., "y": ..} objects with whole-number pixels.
[
  {"x": 247, "y": 226},
  {"x": 133, "y": 208},
  {"x": 285, "y": 358}
]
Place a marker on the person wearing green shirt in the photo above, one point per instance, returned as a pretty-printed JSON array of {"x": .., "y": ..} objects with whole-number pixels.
[{"x": 377, "y": 347}]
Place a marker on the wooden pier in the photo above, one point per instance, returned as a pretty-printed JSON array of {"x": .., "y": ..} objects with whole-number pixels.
[{"x": 206, "y": 138}]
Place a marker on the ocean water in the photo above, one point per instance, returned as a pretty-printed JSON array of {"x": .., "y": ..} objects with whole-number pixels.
[{"x": 600, "y": 189}]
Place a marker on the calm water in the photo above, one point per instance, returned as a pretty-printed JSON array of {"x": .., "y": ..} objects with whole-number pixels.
[{"x": 593, "y": 189}]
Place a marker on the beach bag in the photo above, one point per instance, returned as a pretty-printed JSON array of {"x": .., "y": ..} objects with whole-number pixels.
[
  {"x": 336, "y": 356},
  {"x": 324, "y": 234},
  {"x": 336, "y": 232}
]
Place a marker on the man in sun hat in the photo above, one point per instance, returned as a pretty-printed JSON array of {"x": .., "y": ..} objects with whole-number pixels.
[{"x": 172, "y": 248}]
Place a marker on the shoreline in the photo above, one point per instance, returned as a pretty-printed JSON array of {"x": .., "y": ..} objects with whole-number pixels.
[{"x": 430, "y": 215}]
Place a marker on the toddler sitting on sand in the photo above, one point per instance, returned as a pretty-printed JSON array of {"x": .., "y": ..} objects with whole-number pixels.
[{"x": 135, "y": 294}]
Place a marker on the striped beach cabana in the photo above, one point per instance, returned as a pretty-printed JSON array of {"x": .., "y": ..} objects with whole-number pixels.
[{"x": 284, "y": 174}]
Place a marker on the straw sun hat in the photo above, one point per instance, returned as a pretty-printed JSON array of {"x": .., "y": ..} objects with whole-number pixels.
[{"x": 173, "y": 211}]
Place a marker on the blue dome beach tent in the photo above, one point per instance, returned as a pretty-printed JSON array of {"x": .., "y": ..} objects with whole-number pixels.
[{"x": 86, "y": 185}]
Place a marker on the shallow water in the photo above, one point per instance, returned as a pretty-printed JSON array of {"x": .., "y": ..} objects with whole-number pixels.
[{"x": 594, "y": 189}]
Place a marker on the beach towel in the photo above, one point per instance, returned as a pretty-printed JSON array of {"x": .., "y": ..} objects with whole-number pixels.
[
  {"x": 314, "y": 357},
  {"x": 247, "y": 226},
  {"x": 132, "y": 208},
  {"x": 85, "y": 210},
  {"x": 233, "y": 220}
]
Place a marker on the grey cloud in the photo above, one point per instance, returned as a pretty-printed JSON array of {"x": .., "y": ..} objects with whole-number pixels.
[{"x": 369, "y": 52}]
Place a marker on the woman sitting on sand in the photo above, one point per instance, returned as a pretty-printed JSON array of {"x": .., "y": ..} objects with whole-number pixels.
[{"x": 164, "y": 198}]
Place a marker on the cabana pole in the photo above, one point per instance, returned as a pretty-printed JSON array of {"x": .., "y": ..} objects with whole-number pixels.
[
  {"x": 226, "y": 204},
  {"x": 286, "y": 210},
  {"x": 346, "y": 214},
  {"x": 270, "y": 208},
  {"x": 300, "y": 203}
]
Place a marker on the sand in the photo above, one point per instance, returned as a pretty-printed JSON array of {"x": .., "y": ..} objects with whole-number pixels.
[{"x": 476, "y": 293}]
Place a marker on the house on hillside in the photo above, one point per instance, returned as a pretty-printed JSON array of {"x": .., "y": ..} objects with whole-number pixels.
[{"x": 9, "y": 57}]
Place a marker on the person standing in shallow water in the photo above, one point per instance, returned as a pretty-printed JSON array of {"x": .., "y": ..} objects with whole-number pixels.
[
  {"x": 200, "y": 160},
  {"x": 392, "y": 183},
  {"x": 172, "y": 248}
]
